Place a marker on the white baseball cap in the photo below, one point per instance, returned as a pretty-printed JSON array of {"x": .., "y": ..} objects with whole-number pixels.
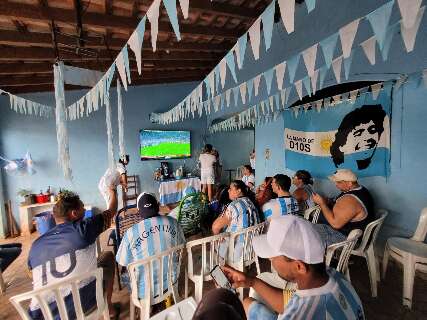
[
  {"x": 292, "y": 237},
  {"x": 343, "y": 175}
]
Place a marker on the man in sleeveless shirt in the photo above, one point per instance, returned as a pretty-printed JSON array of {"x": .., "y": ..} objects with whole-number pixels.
[{"x": 353, "y": 208}]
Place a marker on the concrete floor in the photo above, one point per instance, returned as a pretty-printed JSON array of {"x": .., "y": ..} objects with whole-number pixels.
[{"x": 388, "y": 305}]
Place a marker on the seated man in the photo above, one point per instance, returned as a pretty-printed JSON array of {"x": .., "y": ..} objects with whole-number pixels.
[
  {"x": 297, "y": 253},
  {"x": 284, "y": 203},
  {"x": 151, "y": 236},
  {"x": 353, "y": 208},
  {"x": 69, "y": 249}
]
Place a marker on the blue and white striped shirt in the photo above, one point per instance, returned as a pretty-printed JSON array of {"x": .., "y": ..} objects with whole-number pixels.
[
  {"x": 280, "y": 207},
  {"x": 337, "y": 299},
  {"x": 148, "y": 238},
  {"x": 242, "y": 213}
]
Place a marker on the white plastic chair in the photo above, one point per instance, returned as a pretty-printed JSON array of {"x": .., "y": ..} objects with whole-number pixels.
[
  {"x": 366, "y": 250},
  {"x": 146, "y": 266},
  {"x": 411, "y": 253},
  {"x": 20, "y": 301},
  {"x": 209, "y": 248},
  {"x": 346, "y": 247},
  {"x": 312, "y": 214},
  {"x": 247, "y": 257}
]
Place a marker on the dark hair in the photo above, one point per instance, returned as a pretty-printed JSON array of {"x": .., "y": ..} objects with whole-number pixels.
[
  {"x": 222, "y": 195},
  {"x": 124, "y": 158},
  {"x": 358, "y": 116},
  {"x": 283, "y": 181},
  {"x": 247, "y": 166},
  {"x": 318, "y": 269},
  {"x": 240, "y": 185},
  {"x": 305, "y": 176},
  {"x": 66, "y": 203},
  {"x": 208, "y": 148}
]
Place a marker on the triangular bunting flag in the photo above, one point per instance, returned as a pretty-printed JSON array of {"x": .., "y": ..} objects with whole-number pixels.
[
  {"x": 170, "y": 6},
  {"x": 271, "y": 101},
  {"x": 217, "y": 101},
  {"x": 211, "y": 79},
  {"x": 223, "y": 71},
  {"x": 328, "y": 48},
  {"x": 135, "y": 42},
  {"x": 376, "y": 88},
  {"x": 287, "y": 12},
  {"x": 242, "y": 88},
  {"x": 123, "y": 67},
  {"x": 241, "y": 50},
  {"x": 353, "y": 95},
  {"x": 296, "y": 110},
  {"x": 311, "y": 4},
  {"x": 337, "y": 99},
  {"x": 292, "y": 67},
  {"x": 369, "y": 49},
  {"x": 307, "y": 86},
  {"x": 379, "y": 20},
  {"x": 318, "y": 105},
  {"x": 305, "y": 107},
  {"x": 309, "y": 56},
  {"x": 236, "y": 95},
  {"x": 409, "y": 34},
  {"x": 322, "y": 76},
  {"x": 208, "y": 87},
  {"x": 388, "y": 40},
  {"x": 267, "y": 18},
  {"x": 314, "y": 81},
  {"x": 231, "y": 65},
  {"x": 254, "y": 35},
  {"x": 217, "y": 77},
  {"x": 347, "y": 65},
  {"x": 263, "y": 107},
  {"x": 268, "y": 76},
  {"x": 277, "y": 100},
  {"x": 250, "y": 84},
  {"x": 409, "y": 11},
  {"x": 280, "y": 73},
  {"x": 298, "y": 87},
  {"x": 347, "y": 34},
  {"x": 184, "y": 8},
  {"x": 153, "y": 16},
  {"x": 336, "y": 66},
  {"x": 284, "y": 95},
  {"x": 257, "y": 80}
]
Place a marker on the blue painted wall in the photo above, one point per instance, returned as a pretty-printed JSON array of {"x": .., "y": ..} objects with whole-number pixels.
[{"x": 88, "y": 141}]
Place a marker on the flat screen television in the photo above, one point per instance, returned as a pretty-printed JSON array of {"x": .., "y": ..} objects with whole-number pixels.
[{"x": 163, "y": 144}]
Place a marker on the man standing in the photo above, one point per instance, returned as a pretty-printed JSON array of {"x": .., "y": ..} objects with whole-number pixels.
[
  {"x": 297, "y": 253},
  {"x": 353, "y": 208},
  {"x": 69, "y": 249},
  {"x": 284, "y": 203}
]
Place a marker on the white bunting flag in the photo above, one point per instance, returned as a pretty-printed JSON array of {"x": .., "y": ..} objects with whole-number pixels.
[
  {"x": 254, "y": 35},
  {"x": 369, "y": 49},
  {"x": 257, "y": 80},
  {"x": 318, "y": 105},
  {"x": 227, "y": 97},
  {"x": 271, "y": 101},
  {"x": 280, "y": 73},
  {"x": 353, "y": 95},
  {"x": 211, "y": 79},
  {"x": 314, "y": 81},
  {"x": 120, "y": 63},
  {"x": 298, "y": 87},
  {"x": 347, "y": 34},
  {"x": 296, "y": 110},
  {"x": 336, "y": 67},
  {"x": 153, "y": 17},
  {"x": 309, "y": 56},
  {"x": 376, "y": 88},
  {"x": 284, "y": 95},
  {"x": 242, "y": 89},
  {"x": 287, "y": 12},
  {"x": 135, "y": 43},
  {"x": 409, "y": 34},
  {"x": 409, "y": 10},
  {"x": 184, "y": 8},
  {"x": 223, "y": 71}
]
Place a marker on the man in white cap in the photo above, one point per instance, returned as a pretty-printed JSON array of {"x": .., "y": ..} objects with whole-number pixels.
[
  {"x": 353, "y": 208},
  {"x": 297, "y": 253}
]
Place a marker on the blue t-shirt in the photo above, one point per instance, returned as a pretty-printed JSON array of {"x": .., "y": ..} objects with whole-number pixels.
[
  {"x": 145, "y": 239},
  {"x": 65, "y": 251},
  {"x": 279, "y": 207}
]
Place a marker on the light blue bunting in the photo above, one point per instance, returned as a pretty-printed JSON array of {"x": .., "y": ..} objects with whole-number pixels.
[
  {"x": 328, "y": 47},
  {"x": 250, "y": 86},
  {"x": 306, "y": 81},
  {"x": 268, "y": 76},
  {"x": 170, "y": 6},
  {"x": 347, "y": 65},
  {"x": 217, "y": 77},
  {"x": 208, "y": 87},
  {"x": 242, "y": 42},
  {"x": 322, "y": 75},
  {"x": 230, "y": 62},
  {"x": 292, "y": 67},
  {"x": 126, "y": 62},
  {"x": 277, "y": 99},
  {"x": 388, "y": 39},
  {"x": 311, "y": 4},
  {"x": 222, "y": 101},
  {"x": 379, "y": 20},
  {"x": 267, "y": 23},
  {"x": 236, "y": 95}
]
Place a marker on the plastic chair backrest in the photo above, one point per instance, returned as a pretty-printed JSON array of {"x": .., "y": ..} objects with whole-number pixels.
[
  {"x": 346, "y": 247},
  {"x": 192, "y": 209},
  {"x": 421, "y": 231},
  {"x": 126, "y": 218},
  {"x": 248, "y": 254},
  {"x": 147, "y": 265},
  {"x": 371, "y": 232},
  {"x": 20, "y": 301},
  {"x": 312, "y": 214},
  {"x": 213, "y": 251}
]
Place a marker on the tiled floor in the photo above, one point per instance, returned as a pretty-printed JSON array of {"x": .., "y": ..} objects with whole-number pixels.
[{"x": 388, "y": 305}]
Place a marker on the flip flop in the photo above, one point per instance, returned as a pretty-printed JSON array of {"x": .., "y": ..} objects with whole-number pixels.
[{"x": 117, "y": 309}]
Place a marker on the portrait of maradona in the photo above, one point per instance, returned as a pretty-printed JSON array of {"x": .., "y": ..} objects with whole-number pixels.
[{"x": 359, "y": 133}]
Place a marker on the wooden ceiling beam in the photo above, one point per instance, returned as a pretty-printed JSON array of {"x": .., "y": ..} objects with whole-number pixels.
[
  {"x": 9, "y": 54},
  {"x": 15, "y": 38},
  {"x": 24, "y": 11}
]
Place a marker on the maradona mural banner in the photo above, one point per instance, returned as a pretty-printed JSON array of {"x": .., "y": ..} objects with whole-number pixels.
[{"x": 348, "y": 135}]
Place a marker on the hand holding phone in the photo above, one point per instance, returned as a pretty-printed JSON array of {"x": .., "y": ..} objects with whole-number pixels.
[{"x": 220, "y": 278}]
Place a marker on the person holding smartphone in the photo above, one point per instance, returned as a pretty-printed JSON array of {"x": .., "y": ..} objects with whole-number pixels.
[{"x": 297, "y": 254}]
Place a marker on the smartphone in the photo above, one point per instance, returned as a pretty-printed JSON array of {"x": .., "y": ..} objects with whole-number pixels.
[{"x": 220, "y": 278}]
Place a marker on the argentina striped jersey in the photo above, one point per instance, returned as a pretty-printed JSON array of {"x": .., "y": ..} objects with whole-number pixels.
[{"x": 279, "y": 207}]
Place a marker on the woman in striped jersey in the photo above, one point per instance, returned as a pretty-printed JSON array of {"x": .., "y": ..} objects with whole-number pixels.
[{"x": 303, "y": 182}]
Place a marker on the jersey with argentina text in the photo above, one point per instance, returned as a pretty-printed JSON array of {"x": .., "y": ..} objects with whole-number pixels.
[
  {"x": 145, "y": 239},
  {"x": 280, "y": 206}
]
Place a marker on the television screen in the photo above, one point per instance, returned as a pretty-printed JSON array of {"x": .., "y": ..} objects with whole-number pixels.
[{"x": 159, "y": 144}]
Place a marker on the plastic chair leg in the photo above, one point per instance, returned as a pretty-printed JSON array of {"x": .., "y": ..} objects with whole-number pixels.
[
  {"x": 198, "y": 289},
  {"x": 106, "y": 313},
  {"x": 385, "y": 260},
  {"x": 186, "y": 284},
  {"x": 131, "y": 309},
  {"x": 372, "y": 268},
  {"x": 408, "y": 279},
  {"x": 258, "y": 270}
]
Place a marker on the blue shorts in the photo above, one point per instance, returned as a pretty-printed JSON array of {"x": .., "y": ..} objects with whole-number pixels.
[{"x": 260, "y": 311}]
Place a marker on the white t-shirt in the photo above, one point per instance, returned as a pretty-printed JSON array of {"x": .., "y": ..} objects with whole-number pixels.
[
  {"x": 251, "y": 179},
  {"x": 207, "y": 161}
]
